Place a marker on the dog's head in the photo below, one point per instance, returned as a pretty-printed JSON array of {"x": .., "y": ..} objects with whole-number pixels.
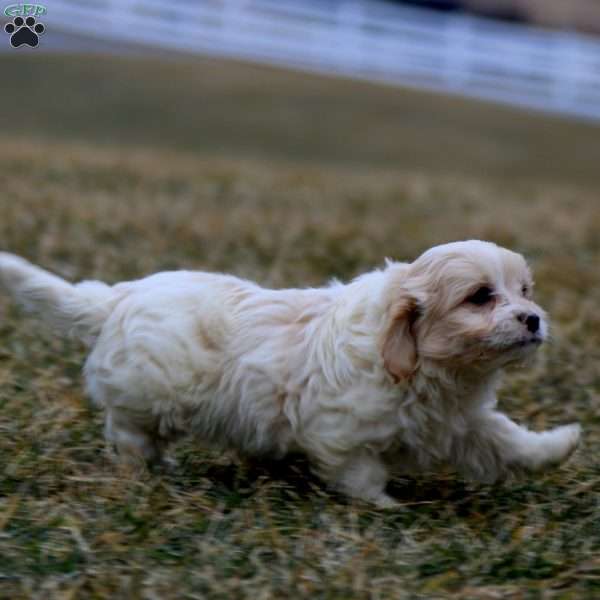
[{"x": 464, "y": 305}]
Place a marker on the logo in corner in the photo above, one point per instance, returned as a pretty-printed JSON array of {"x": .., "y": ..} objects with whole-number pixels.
[{"x": 25, "y": 29}]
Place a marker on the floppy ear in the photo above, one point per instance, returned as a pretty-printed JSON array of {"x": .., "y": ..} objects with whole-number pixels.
[{"x": 399, "y": 347}]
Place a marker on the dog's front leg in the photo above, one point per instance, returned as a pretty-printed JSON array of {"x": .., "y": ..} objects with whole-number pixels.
[{"x": 494, "y": 446}]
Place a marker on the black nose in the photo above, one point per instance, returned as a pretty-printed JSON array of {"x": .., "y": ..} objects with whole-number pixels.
[{"x": 531, "y": 321}]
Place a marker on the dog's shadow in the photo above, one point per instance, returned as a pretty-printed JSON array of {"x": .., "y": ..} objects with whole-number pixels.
[
  {"x": 233, "y": 481},
  {"x": 434, "y": 490}
]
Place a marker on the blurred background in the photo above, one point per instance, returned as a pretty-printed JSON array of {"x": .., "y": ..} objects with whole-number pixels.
[
  {"x": 528, "y": 52},
  {"x": 294, "y": 79},
  {"x": 191, "y": 75},
  {"x": 292, "y": 141}
]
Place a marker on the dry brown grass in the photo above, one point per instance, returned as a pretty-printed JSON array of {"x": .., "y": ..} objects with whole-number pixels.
[{"x": 73, "y": 526}]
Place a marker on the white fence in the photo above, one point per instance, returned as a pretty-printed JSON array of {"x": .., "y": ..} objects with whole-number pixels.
[{"x": 364, "y": 39}]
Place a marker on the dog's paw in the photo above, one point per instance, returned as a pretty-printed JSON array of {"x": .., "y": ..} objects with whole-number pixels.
[
  {"x": 384, "y": 502},
  {"x": 570, "y": 436},
  {"x": 561, "y": 443},
  {"x": 165, "y": 464}
]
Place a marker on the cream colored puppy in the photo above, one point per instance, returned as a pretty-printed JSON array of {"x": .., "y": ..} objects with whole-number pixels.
[{"x": 396, "y": 371}]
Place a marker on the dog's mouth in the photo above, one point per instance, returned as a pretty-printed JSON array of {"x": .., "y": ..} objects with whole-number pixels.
[
  {"x": 516, "y": 350},
  {"x": 526, "y": 343},
  {"x": 521, "y": 349}
]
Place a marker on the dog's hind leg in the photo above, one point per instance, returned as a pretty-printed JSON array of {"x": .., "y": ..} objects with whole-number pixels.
[{"x": 135, "y": 440}]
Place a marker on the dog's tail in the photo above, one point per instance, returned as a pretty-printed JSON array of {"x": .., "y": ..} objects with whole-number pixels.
[{"x": 79, "y": 310}]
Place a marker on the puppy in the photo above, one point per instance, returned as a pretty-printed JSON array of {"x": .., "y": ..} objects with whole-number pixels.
[{"x": 396, "y": 371}]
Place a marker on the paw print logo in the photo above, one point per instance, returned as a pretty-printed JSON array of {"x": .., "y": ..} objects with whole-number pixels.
[{"x": 24, "y": 31}]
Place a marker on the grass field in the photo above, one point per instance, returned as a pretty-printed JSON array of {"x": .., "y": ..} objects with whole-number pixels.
[{"x": 113, "y": 169}]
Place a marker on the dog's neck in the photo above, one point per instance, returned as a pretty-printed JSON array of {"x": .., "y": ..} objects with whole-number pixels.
[{"x": 462, "y": 389}]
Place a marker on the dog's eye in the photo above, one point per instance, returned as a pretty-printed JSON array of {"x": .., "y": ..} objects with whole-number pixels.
[
  {"x": 525, "y": 290},
  {"x": 482, "y": 296}
]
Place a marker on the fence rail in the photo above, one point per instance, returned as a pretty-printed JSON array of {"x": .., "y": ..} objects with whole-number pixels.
[{"x": 365, "y": 39}]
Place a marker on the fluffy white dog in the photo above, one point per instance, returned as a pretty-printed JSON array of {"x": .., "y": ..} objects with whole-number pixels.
[{"x": 393, "y": 372}]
